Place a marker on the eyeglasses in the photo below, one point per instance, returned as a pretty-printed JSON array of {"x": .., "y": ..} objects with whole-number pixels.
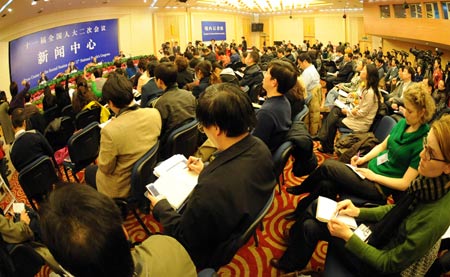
[
  {"x": 429, "y": 154},
  {"x": 200, "y": 128}
]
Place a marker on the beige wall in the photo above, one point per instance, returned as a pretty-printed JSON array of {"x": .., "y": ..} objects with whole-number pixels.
[
  {"x": 330, "y": 27},
  {"x": 141, "y": 31},
  {"x": 422, "y": 30},
  {"x": 186, "y": 26}
]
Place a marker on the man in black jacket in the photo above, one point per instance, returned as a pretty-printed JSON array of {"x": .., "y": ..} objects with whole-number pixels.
[
  {"x": 231, "y": 190},
  {"x": 28, "y": 145},
  {"x": 341, "y": 76},
  {"x": 252, "y": 74}
]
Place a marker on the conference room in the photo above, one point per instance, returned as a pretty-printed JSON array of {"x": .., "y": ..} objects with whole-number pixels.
[{"x": 68, "y": 39}]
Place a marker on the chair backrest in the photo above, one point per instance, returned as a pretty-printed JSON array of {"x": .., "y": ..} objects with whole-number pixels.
[
  {"x": 255, "y": 91},
  {"x": 59, "y": 138},
  {"x": 281, "y": 156},
  {"x": 142, "y": 173},
  {"x": 183, "y": 140},
  {"x": 37, "y": 179},
  {"x": 27, "y": 262},
  {"x": 51, "y": 113},
  {"x": 252, "y": 228},
  {"x": 384, "y": 127},
  {"x": 37, "y": 122},
  {"x": 84, "y": 118},
  {"x": 68, "y": 111},
  {"x": 301, "y": 115},
  {"x": 84, "y": 145},
  {"x": 225, "y": 252},
  {"x": 350, "y": 76}
]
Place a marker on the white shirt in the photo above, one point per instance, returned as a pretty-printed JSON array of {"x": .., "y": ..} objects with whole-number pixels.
[{"x": 310, "y": 78}]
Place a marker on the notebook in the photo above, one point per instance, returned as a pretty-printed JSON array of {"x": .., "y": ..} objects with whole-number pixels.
[
  {"x": 356, "y": 172},
  {"x": 175, "y": 182},
  {"x": 343, "y": 105},
  {"x": 326, "y": 210}
]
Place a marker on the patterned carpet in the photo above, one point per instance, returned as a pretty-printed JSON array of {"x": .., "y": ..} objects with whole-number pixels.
[{"x": 250, "y": 260}]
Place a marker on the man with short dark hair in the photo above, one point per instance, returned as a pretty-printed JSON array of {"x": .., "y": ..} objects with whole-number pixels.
[
  {"x": 343, "y": 74},
  {"x": 83, "y": 230},
  {"x": 150, "y": 91},
  {"x": 176, "y": 106},
  {"x": 252, "y": 73},
  {"x": 310, "y": 76},
  {"x": 124, "y": 140},
  {"x": 235, "y": 57},
  {"x": 244, "y": 44},
  {"x": 274, "y": 117},
  {"x": 28, "y": 145},
  {"x": 231, "y": 190},
  {"x": 208, "y": 55},
  {"x": 395, "y": 98},
  {"x": 392, "y": 73},
  {"x": 379, "y": 64}
]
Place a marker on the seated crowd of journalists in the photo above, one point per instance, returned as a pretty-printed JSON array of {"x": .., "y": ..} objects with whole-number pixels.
[{"x": 390, "y": 215}]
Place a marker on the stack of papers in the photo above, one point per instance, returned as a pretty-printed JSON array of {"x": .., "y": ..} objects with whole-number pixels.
[
  {"x": 175, "y": 182},
  {"x": 343, "y": 105},
  {"x": 343, "y": 93}
]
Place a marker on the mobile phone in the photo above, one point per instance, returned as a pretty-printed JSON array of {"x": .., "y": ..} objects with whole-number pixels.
[{"x": 153, "y": 190}]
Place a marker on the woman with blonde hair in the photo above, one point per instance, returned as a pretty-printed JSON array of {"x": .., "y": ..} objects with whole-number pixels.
[
  {"x": 388, "y": 168},
  {"x": 404, "y": 238}
]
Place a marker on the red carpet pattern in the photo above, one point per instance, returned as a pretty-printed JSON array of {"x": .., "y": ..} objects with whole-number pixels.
[{"x": 250, "y": 260}]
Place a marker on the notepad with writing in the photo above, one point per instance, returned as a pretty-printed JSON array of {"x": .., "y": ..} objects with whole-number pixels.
[
  {"x": 175, "y": 182},
  {"x": 342, "y": 105},
  {"x": 326, "y": 210},
  {"x": 343, "y": 93},
  {"x": 356, "y": 172},
  {"x": 171, "y": 163}
]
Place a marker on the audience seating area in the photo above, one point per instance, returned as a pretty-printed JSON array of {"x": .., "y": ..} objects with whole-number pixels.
[{"x": 252, "y": 258}]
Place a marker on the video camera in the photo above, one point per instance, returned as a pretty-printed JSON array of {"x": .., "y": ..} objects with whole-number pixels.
[
  {"x": 402, "y": 53},
  {"x": 427, "y": 56}
]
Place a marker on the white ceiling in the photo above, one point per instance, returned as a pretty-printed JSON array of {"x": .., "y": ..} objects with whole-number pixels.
[{"x": 22, "y": 9}]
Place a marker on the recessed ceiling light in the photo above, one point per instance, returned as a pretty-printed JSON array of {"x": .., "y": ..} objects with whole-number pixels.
[
  {"x": 34, "y": 2},
  {"x": 9, "y": 10}
]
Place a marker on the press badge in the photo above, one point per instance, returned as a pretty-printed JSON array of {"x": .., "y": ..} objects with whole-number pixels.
[
  {"x": 363, "y": 232},
  {"x": 382, "y": 159}
]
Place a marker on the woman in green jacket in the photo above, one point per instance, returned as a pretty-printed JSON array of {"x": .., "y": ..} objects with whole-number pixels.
[{"x": 401, "y": 234}]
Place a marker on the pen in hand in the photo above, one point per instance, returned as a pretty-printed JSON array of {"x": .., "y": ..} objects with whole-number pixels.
[
  {"x": 193, "y": 161},
  {"x": 195, "y": 164}
]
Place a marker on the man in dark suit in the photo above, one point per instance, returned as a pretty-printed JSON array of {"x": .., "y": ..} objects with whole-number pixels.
[
  {"x": 150, "y": 90},
  {"x": 222, "y": 205},
  {"x": 208, "y": 55},
  {"x": 176, "y": 106},
  {"x": 343, "y": 74},
  {"x": 176, "y": 48},
  {"x": 244, "y": 44},
  {"x": 28, "y": 145}
]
